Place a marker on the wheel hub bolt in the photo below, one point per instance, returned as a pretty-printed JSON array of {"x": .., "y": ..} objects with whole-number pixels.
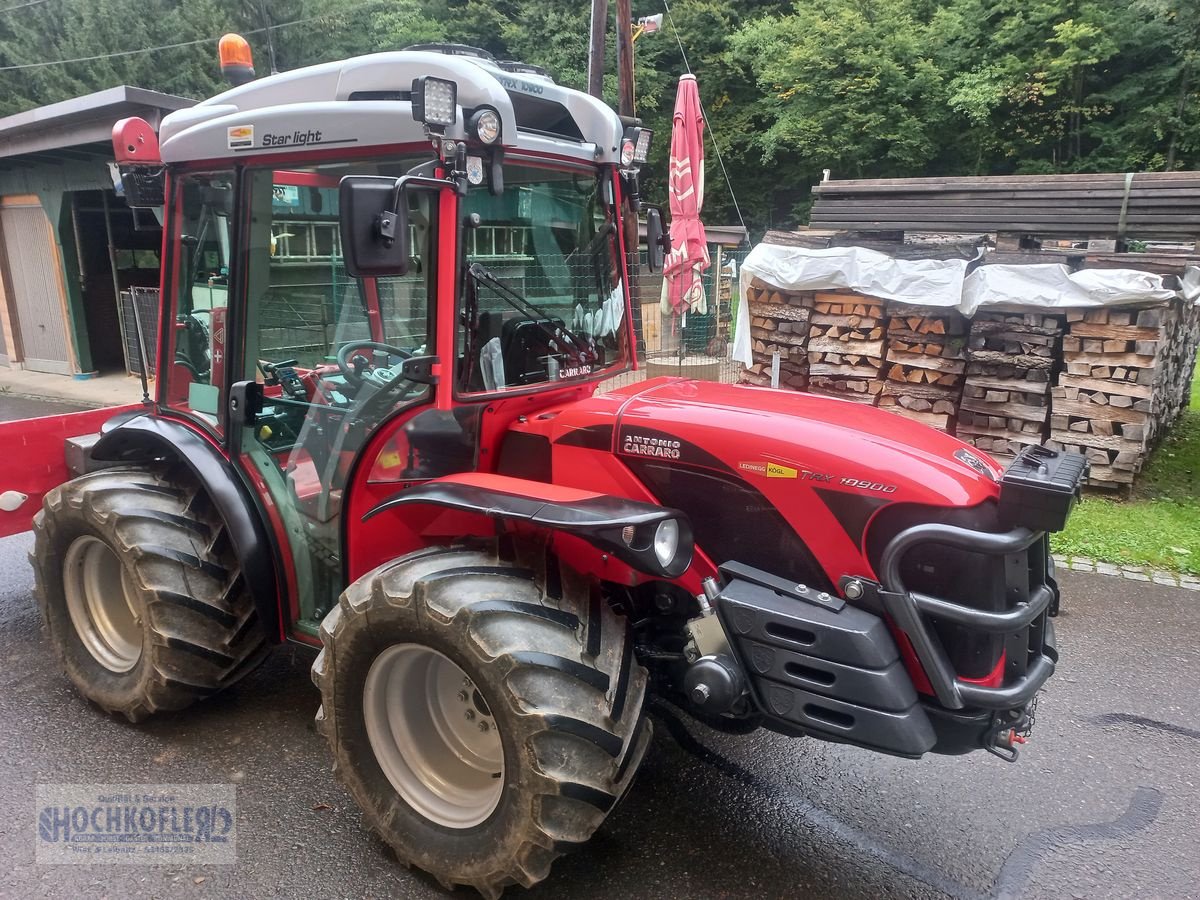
[
  {"x": 469, "y": 714},
  {"x": 483, "y": 726},
  {"x": 462, "y": 696}
]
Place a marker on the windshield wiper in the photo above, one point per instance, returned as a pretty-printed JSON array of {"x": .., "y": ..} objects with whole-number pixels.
[{"x": 540, "y": 317}]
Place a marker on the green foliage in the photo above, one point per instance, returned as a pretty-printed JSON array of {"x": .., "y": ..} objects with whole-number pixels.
[{"x": 862, "y": 87}]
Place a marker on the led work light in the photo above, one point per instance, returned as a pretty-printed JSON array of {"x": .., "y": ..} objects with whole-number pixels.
[
  {"x": 434, "y": 101},
  {"x": 635, "y": 147}
]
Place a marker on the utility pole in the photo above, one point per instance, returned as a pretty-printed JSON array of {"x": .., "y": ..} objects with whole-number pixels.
[
  {"x": 625, "y": 57},
  {"x": 596, "y": 48},
  {"x": 625, "y": 108}
]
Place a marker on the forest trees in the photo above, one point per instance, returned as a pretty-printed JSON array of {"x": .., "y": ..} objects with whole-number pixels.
[{"x": 861, "y": 87}]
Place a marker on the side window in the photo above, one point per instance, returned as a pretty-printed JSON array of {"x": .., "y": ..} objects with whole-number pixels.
[
  {"x": 543, "y": 295},
  {"x": 200, "y": 297},
  {"x": 328, "y": 349},
  {"x": 303, "y": 309}
]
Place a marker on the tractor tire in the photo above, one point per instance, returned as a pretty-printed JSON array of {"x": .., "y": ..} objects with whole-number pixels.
[
  {"x": 140, "y": 591},
  {"x": 483, "y": 722}
]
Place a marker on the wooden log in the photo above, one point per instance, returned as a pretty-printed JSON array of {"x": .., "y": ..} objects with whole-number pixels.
[
  {"x": 921, "y": 360},
  {"x": 780, "y": 311},
  {"x": 1022, "y": 361},
  {"x": 1121, "y": 332},
  {"x": 1019, "y": 410},
  {"x": 1097, "y": 413},
  {"x": 825, "y": 345},
  {"x": 1098, "y": 441},
  {"x": 1114, "y": 359},
  {"x": 867, "y": 372}
]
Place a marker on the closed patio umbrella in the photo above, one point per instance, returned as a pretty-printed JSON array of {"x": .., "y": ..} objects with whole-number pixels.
[{"x": 683, "y": 287}]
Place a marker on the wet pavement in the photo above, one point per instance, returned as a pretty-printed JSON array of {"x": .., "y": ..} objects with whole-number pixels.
[
  {"x": 1102, "y": 802},
  {"x": 13, "y": 406}
]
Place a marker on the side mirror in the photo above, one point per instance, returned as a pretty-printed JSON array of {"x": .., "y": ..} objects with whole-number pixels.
[
  {"x": 374, "y": 226},
  {"x": 657, "y": 243}
]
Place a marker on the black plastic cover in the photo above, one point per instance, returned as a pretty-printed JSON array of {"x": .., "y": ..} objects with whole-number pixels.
[
  {"x": 1040, "y": 488},
  {"x": 832, "y": 674}
]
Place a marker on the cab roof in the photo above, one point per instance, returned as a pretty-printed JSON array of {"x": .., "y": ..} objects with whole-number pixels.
[{"x": 366, "y": 101}]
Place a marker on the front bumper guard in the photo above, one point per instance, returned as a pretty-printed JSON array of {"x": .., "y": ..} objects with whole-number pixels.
[{"x": 908, "y": 610}]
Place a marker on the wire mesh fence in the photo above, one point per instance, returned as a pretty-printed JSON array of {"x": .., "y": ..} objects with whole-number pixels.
[{"x": 695, "y": 344}]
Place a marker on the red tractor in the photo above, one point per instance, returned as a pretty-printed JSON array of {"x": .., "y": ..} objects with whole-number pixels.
[{"x": 391, "y": 287}]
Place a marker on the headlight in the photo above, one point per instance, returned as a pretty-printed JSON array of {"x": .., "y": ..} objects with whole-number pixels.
[
  {"x": 666, "y": 541},
  {"x": 486, "y": 126},
  {"x": 627, "y": 151}
]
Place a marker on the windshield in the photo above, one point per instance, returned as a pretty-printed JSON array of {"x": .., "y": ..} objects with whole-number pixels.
[{"x": 543, "y": 299}]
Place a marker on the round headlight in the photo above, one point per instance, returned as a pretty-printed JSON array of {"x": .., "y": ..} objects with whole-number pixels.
[
  {"x": 486, "y": 125},
  {"x": 627, "y": 151},
  {"x": 666, "y": 541}
]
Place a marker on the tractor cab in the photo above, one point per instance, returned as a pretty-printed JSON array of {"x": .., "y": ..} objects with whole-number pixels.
[{"x": 393, "y": 243}]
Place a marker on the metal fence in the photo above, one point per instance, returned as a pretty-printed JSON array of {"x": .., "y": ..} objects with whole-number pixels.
[
  {"x": 693, "y": 345},
  {"x": 139, "y": 306}
]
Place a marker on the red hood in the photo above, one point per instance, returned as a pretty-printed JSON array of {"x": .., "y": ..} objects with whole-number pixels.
[
  {"x": 828, "y": 467},
  {"x": 826, "y": 441}
]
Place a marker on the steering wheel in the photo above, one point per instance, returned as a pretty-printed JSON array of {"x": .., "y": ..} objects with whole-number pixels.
[{"x": 356, "y": 374}]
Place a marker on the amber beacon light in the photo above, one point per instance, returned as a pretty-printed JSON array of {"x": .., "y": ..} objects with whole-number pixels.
[{"x": 237, "y": 62}]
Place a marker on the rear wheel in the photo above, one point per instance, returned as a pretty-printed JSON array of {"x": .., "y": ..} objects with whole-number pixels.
[
  {"x": 483, "y": 723},
  {"x": 140, "y": 591}
]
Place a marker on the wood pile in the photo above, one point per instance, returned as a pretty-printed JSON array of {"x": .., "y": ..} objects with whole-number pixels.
[
  {"x": 1006, "y": 395},
  {"x": 1125, "y": 381},
  {"x": 924, "y": 363},
  {"x": 779, "y": 322},
  {"x": 846, "y": 345},
  {"x": 1147, "y": 205}
]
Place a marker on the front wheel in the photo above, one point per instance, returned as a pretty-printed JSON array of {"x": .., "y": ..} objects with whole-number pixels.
[{"x": 483, "y": 724}]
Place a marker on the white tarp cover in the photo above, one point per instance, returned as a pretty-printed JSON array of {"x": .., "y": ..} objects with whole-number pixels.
[
  {"x": 941, "y": 283},
  {"x": 1054, "y": 286},
  {"x": 929, "y": 282},
  {"x": 1191, "y": 285}
]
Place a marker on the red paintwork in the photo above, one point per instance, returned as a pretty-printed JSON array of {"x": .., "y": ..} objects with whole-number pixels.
[
  {"x": 33, "y": 461},
  {"x": 801, "y": 432},
  {"x": 135, "y": 141},
  {"x": 994, "y": 678}
]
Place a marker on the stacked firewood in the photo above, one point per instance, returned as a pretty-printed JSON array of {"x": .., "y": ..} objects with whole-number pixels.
[
  {"x": 1125, "y": 381},
  {"x": 925, "y": 362},
  {"x": 778, "y": 325},
  {"x": 1006, "y": 396},
  {"x": 845, "y": 346}
]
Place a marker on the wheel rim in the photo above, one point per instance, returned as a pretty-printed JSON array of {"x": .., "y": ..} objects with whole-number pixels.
[
  {"x": 100, "y": 601},
  {"x": 433, "y": 735}
]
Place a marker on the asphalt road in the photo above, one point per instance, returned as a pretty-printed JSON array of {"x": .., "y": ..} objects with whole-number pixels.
[
  {"x": 17, "y": 407},
  {"x": 1101, "y": 804}
]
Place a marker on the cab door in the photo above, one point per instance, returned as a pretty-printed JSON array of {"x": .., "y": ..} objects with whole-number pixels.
[{"x": 327, "y": 351}]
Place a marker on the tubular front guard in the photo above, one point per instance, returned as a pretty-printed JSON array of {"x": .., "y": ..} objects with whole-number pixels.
[
  {"x": 834, "y": 668},
  {"x": 1030, "y": 653}
]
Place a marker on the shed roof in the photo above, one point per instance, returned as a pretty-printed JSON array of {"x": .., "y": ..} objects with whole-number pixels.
[{"x": 79, "y": 127}]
